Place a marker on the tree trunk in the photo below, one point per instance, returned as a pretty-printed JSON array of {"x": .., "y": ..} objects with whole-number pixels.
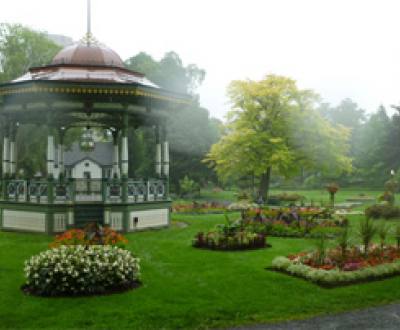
[
  {"x": 264, "y": 185},
  {"x": 302, "y": 175}
]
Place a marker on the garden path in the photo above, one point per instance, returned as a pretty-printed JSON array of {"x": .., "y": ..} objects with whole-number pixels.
[{"x": 382, "y": 317}]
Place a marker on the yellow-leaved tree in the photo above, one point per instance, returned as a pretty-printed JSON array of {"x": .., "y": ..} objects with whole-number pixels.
[{"x": 273, "y": 127}]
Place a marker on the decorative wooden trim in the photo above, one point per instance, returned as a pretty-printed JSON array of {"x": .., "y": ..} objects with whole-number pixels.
[{"x": 94, "y": 91}]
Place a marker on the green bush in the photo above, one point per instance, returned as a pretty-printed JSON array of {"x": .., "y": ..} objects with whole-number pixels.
[
  {"x": 285, "y": 197},
  {"x": 379, "y": 211},
  {"x": 80, "y": 270},
  {"x": 188, "y": 187}
]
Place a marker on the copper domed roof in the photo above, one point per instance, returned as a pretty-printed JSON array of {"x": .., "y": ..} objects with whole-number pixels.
[{"x": 88, "y": 54}]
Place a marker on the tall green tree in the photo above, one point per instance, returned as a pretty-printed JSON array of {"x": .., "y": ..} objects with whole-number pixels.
[
  {"x": 169, "y": 72},
  {"x": 273, "y": 126},
  {"x": 20, "y": 49},
  {"x": 373, "y": 153},
  {"x": 191, "y": 131}
]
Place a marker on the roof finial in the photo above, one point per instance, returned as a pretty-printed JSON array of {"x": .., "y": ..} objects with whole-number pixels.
[
  {"x": 88, "y": 39},
  {"x": 89, "y": 32}
]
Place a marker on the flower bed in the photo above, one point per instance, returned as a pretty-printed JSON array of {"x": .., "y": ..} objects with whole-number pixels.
[
  {"x": 279, "y": 228},
  {"x": 92, "y": 234},
  {"x": 200, "y": 208},
  {"x": 345, "y": 263},
  {"x": 336, "y": 277},
  {"x": 232, "y": 236},
  {"x": 295, "y": 222},
  {"x": 72, "y": 270}
]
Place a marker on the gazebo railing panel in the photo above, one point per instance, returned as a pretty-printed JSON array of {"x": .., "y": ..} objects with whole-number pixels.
[
  {"x": 137, "y": 190},
  {"x": 38, "y": 191},
  {"x": 85, "y": 190},
  {"x": 16, "y": 190},
  {"x": 113, "y": 191},
  {"x": 62, "y": 192}
]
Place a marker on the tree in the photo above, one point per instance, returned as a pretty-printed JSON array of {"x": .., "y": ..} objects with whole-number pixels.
[
  {"x": 169, "y": 72},
  {"x": 390, "y": 148},
  {"x": 347, "y": 113},
  {"x": 20, "y": 49},
  {"x": 273, "y": 126},
  {"x": 191, "y": 131},
  {"x": 373, "y": 150}
]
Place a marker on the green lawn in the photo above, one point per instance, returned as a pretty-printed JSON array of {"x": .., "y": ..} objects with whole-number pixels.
[
  {"x": 182, "y": 287},
  {"x": 315, "y": 195}
]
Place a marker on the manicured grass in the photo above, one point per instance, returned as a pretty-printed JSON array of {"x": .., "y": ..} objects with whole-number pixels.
[
  {"x": 315, "y": 195},
  {"x": 183, "y": 287}
]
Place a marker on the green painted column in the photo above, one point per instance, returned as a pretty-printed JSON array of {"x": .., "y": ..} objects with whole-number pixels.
[
  {"x": 5, "y": 164},
  {"x": 124, "y": 158},
  {"x": 104, "y": 189},
  {"x": 12, "y": 150},
  {"x": 61, "y": 168},
  {"x": 115, "y": 170},
  {"x": 50, "y": 160},
  {"x": 165, "y": 161},
  {"x": 6, "y": 149},
  {"x": 50, "y": 190},
  {"x": 158, "y": 159},
  {"x": 124, "y": 147}
]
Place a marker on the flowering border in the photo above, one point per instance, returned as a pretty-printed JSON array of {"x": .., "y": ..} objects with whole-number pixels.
[{"x": 335, "y": 277}]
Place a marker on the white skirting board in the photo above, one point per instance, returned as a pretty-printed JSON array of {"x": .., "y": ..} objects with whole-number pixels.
[
  {"x": 24, "y": 220},
  {"x": 148, "y": 219}
]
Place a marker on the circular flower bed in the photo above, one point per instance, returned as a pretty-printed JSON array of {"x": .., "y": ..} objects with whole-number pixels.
[
  {"x": 239, "y": 241},
  {"x": 81, "y": 270},
  {"x": 230, "y": 236}
]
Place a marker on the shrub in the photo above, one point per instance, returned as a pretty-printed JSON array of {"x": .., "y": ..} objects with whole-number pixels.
[
  {"x": 343, "y": 241},
  {"x": 385, "y": 211},
  {"x": 397, "y": 236},
  {"x": 383, "y": 232},
  {"x": 81, "y": 270},
  {"x": 230, "y": 236},
  {"x": 285, "y": 197},
  {"x": 188, "y": 187},
  {"x": 367, "y": 231},
  {"x": 388, "y": 197}
]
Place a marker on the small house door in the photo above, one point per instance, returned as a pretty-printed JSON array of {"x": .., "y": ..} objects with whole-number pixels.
[{"x": 87, "y": 177}]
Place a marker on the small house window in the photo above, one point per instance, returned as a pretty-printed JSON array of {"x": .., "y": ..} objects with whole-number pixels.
[{"x": 87, "y": 164}]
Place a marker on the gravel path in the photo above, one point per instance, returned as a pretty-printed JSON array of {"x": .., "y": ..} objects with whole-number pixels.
[{"x": 383, "y": 317}]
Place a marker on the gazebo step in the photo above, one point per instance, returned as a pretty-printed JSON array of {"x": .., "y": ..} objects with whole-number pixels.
[{"x": 85, "y": 214}]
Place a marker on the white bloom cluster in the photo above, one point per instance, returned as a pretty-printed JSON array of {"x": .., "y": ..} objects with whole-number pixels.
[{"x": 75, "y": 269}]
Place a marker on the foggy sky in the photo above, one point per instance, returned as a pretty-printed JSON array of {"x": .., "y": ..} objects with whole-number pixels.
[{"x": 337, "y": 48}]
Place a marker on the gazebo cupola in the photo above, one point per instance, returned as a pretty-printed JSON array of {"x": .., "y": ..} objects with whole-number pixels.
[{"x": 88, "y": 86}]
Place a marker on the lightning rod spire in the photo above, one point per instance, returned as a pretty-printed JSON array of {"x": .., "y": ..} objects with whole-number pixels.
[{"x": 89, "y": 23}]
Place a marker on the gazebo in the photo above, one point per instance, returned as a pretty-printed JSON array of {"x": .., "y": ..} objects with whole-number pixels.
[{"x": 86, "y": 85}]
